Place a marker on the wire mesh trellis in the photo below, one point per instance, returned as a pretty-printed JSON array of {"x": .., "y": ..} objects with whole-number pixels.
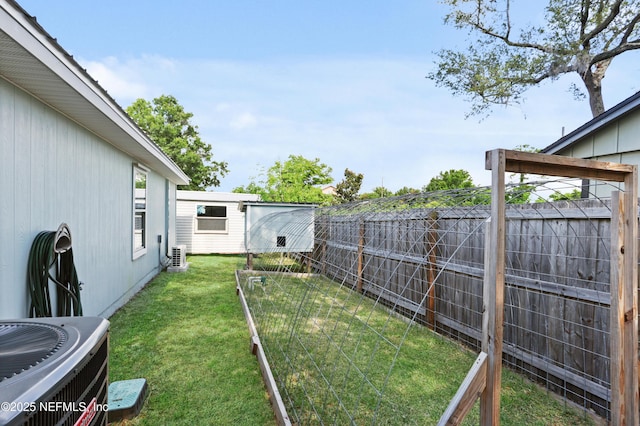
[{"x": 386, "y": 275}]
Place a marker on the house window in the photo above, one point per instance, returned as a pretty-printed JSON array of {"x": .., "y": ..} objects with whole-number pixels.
[
  {"x": 139, "y": 212},
  {"x": 211, "y": 219},
  {"x": 281, "y": 241}
]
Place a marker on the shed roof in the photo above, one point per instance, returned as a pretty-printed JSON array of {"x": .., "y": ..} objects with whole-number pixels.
[
  {"x": 215, "y": 196},
  {"x": 244, "y": 204},
  {"x": 628, "y": 105},
  {"x": 34, "y": 61}
]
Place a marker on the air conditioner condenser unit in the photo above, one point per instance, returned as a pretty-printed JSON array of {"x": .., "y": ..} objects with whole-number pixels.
[
  {"x": 54, "y": 371},
  {"x": 178, "y": 259}
]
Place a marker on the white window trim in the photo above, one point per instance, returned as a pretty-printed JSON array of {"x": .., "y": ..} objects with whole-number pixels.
[
  {"x": 196, "y": 218},
  {"x": 138, "y": 251}
]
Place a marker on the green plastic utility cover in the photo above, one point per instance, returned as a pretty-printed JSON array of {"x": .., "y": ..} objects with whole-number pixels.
[{"x": 126, "y": 398}]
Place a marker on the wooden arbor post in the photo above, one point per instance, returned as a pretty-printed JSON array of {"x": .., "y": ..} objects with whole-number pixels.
[{"x": 485, "y": 376}]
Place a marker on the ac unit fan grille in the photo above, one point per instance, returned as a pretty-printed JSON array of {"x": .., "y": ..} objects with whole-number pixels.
[
  {"x": 23, "y": 346},
  {"x": 177, "y": 257}
]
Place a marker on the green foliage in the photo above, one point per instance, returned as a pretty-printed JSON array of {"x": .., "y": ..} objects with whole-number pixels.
[
  {"x": 297, "y": 180},
  {"x": 504, "y": 59},
  {"x": 451, "y": 179},
  {"x": 378, "y": 192},
  {"x": 168, "y": 125},
  {"x": 406, "y": 190},
  {"x": 519, "y": 194},
  {"x": 251, "y": 188},
  {"x": 347, "y": 190},
  {"x": 576, "y": 194}
]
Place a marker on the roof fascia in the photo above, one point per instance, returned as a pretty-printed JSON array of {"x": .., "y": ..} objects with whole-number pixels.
[
  {"x": 31, "y": 36},
  {"x": 594, "y": 125}
]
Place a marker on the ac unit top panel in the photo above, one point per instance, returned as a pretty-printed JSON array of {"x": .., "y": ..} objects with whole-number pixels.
[
  {"x": 66, "y": 342},
  {"x": 25, "y": 345}
]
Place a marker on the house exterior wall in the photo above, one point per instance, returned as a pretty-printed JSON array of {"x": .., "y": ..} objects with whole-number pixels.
[
  {"x": 230, "y": 241},
  {"x": 52, "y": 171},
  {"x": 618, "y": 142},
  {"x": 619, "y": 137}
]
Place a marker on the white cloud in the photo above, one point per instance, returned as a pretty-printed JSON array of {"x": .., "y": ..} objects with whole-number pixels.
[
  {"x": 133, "y": 78},
  {"x": 379, "y": 117},
  {"x": 243, "y": 121}
]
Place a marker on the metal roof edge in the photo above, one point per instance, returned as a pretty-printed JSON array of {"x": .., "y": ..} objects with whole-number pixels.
[
  {"x": 212, "y": 196},
  {"x": 615, "y": 112},
  {"x": 244, "y": 204},
  {"x": 89, "y": 89}
]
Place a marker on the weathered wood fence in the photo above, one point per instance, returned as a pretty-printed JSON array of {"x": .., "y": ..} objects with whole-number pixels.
[{"x": 428, "y": 264}]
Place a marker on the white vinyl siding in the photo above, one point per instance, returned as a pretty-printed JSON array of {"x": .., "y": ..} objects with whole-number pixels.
[{"x": 230, "y": 241}]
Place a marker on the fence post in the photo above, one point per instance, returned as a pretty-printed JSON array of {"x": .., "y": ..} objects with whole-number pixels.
[
  {"x": 360, "y": 255},
  {"x": 493, "y": 291},
  {"x": 624, "y": 315},
  {"x": 325, "y": 226},
  {"x": 432, "y": 239}
]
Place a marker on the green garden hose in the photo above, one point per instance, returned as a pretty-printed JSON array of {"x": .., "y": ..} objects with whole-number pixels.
[{"x": 52, "y": 249}]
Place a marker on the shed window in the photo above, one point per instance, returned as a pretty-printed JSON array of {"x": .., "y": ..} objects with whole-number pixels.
[
  {"x": 210, "y": 218},
  {"x": 139, "y": 212}
]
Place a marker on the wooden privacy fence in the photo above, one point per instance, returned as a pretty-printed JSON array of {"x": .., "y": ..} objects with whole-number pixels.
[{"x": 428, "y": 264}]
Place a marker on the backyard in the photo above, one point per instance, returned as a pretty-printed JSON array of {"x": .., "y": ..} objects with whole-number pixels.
[{"x": 186, "y": 334}]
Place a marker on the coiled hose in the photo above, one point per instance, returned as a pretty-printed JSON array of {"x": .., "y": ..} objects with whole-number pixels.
[{"x": 53, "y": 249}]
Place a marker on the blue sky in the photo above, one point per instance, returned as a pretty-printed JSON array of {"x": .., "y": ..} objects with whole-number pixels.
[{"x": 342, "y": 81}]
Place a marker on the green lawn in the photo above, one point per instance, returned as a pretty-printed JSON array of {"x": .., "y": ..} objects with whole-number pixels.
[
  {"x": 185, "y": 333},
  {"x": 335, "y": 355}
]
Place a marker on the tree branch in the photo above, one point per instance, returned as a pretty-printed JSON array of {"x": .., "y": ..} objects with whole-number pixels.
[
  {"x": 632, "y": 45},
  {"x": 511, "y": 43},
  {"x": 615, "y": 10},
  {"x": 584, "y": 18},
  {"x": 630, "y": 28}
]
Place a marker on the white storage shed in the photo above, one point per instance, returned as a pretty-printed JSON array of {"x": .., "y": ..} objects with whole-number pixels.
[{"x": 211, "y": 222}]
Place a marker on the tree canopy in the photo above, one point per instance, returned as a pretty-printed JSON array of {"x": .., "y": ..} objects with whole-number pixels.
[
  {"x": 450, "y": 179},
  {"x": 504, "y": 58},
  {"x": 378, "y": 192},
  {"x": 347, "y": 189},
  {"x": 297, "y": 180},
  {"x": 167, "y": 123}
]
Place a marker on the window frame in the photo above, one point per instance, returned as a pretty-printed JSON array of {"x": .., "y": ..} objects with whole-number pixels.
[
  {"x": 139, "y": 210},
  {"x": 224, "y": 219}
]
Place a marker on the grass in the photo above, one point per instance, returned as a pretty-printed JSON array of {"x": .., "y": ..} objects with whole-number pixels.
[
  {"x": 334, "y": 353},
  {"x": 185, "y": 333}
]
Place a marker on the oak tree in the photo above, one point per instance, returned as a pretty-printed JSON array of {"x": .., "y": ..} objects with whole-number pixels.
[{"x": 504, "y": 58}]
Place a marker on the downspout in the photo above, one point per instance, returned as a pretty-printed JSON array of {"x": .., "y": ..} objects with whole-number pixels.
[
  {"x": 165, "y": 259},
  {"x": 167, "y": 216}
]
